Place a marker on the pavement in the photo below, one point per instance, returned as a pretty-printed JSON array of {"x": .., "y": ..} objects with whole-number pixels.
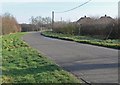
[{"x": 94, "y": 64}]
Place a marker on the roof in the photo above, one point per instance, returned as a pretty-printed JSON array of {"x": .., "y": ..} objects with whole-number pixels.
[
  {"x": 85, "y": 20},
  {"x": 105, "y": 19},
  {"x": 102, "y": 20}
]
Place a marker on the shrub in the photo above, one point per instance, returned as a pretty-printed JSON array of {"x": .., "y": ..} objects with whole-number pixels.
[
  {"x": 9, "y": 24},
  {"x": 102, "y": 28},
  {"x": 65, "y": 28}
]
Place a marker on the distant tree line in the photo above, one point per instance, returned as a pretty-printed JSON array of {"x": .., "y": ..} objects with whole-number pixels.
[
  {"x": 9, "y": 24},
  {"x": 29, "y": 27},
  {"x": 40, "y": 20},
  {"x": 36, "y": 24}
]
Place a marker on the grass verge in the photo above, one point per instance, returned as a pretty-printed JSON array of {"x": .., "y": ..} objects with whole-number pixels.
[
  {"x": 22, "y": 64},
  {"x": 115, "y": 43}
]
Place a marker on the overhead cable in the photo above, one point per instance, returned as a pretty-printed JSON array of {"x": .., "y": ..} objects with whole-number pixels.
[{"x": 74, "y": 7}]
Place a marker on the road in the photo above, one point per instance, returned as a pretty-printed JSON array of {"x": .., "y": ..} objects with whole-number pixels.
[{"x": 94, "y": 64}]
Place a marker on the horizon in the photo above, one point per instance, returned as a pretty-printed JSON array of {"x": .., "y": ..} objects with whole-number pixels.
[{"x": 22, "y": 11}]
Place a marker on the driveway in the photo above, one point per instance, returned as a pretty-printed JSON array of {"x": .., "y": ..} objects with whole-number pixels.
[{"x": 93, "y": 64}]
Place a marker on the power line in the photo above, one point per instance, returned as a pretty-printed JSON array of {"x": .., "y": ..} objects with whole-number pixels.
[
  {"x": 67, "y": 11},
  {"x": 74, "y": 7}
]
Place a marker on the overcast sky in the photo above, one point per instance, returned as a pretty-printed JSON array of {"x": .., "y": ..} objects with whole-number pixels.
[{"x": 23, "y": 9}]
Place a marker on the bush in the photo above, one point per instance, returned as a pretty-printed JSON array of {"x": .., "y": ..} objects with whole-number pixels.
[
  {"x": 28, "y": 27},
  {"x": 102, "y": 28},
  {"x": 9, "y": 24},
  {"x": 65, "y": 28}
]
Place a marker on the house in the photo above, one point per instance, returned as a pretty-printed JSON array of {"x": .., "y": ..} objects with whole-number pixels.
[
  {"x": 105, "y": 20},
  {"x": 85, "y": 21},
  {"x": 89, "y": 21}
]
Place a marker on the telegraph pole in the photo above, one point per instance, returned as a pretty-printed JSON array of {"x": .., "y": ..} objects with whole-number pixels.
[
  {"x": 61, "y": 19},
  {"x": 52, "y": 20}
]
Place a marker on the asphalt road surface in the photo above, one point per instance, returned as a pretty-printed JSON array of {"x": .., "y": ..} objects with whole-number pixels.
[{"x": 94, "y": 64}]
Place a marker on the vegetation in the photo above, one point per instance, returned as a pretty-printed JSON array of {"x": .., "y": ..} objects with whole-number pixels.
[
  {"x": 40, "y": 20},
  {"x": 9, "y": 24},
  {"x": 29, "y": 27},
  {"x": 36, "y": 24},
  {"x": 22, "y": 64},
  {"x": 103, "y": 28},
  {"x": 66, "y": 28},
  {"x": 111, "y": 43}
]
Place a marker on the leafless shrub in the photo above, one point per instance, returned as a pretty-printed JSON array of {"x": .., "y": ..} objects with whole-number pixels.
[
  {"x": 65, "y": 28},
  {"x": 104, "y": 27},
  {"x": 9, "y": 24},
  {"x": 96, "y": 27}
]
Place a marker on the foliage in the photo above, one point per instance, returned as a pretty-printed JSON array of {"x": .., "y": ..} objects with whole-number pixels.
[{"x": 22, "y": 64}]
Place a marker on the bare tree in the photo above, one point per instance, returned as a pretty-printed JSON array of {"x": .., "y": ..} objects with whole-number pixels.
[{"x": 40, "y": 20}]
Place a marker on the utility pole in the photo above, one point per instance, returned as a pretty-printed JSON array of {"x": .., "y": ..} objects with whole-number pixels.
[
  {"x": 52, "y": 20},
  {"x": 61, "y": 19},
  {"x": 80, "y": 25}
]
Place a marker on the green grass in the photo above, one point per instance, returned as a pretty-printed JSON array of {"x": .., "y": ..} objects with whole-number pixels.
[
  {"x": 115, "y": 43},
  {"x": 22, "y": 64}
]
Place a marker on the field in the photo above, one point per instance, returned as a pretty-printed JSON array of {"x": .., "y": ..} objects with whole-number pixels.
[
  {"x": 114, "y": 43},
  {"x": 22, "y": 64}
]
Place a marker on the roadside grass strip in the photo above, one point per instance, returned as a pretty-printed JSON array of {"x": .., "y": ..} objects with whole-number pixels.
[
  {"x": 23, "y": 64},
  {"x": 110, "y": 43}
]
